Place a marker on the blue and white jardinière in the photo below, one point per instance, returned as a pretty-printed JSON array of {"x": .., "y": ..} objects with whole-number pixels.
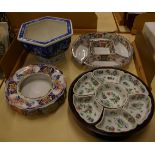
[{"x": 46, "y": 36}]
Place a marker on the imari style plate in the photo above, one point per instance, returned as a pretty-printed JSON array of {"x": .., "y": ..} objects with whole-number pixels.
[
  {"x": 36, "y": 89},
  {"x": 110, "y": 102},
  {"x": 100, "y": 49}
]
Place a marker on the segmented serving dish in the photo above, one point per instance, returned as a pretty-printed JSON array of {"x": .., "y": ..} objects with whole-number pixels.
[
  {"x": 111, "y": 102},
  {"x": 36, "y": 89},
  {"x": 100, "y": 49}
]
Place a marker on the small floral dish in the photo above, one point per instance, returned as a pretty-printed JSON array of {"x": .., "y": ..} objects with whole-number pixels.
[
  {"x": 100, "y": 49},
  {"x": 139, "y": 106},
  {"x": 132, "y": 84},
  {"x": 107, "y": 75},
  {"x": 116, "y": 120},
  {"x": 111, "y": 102},
  {"x": 35, "y": 87},
  {"x": 87, "y": 108},
  {"x": 46, "y": 36},
  {"x": 111, "y": 95},
  {"x": 86, "y": 85}
]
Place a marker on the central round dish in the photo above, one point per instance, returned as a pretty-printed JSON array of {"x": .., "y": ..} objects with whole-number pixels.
[
  {"x": 111, "y": 95},
  {"x": 35, "y": 86}
]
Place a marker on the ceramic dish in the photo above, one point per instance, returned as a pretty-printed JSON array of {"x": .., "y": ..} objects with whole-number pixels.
[
  {"x": 118, "y": 113},
  {"x": 107, "y": 75},
  {"x": 86, "y": 85},
  {"x": 116, "y": 120},
  {"x": 132, "y": 84},
  {"x": 139, "y": 106},
  {"x": 46, "y": 36},
  {"x": 88, "y": 108},
  {"x": 34, "y": 87},
  {"x": 82, "y": 50},
  {"x": 102, "y": 49},
  {"x": 111, "y": 95}
]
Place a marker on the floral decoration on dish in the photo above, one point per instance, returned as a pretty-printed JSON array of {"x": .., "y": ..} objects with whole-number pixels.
[
  {"x": 111, "y": 100},
  {"x": 47, "y": 36},
  {"x": 87, "y": 108},
  {"x": 139, "y": 106},
  {"x": 116, "y": 120},
  {"x": 111, "y": 95},
  {"x": 107, "y": 75},
  {"x": 86, "y": 85},
  {"x": 19, "y": 95},
  {"x": 101, "y": 49},
  {"x": 132, "y": 84}
]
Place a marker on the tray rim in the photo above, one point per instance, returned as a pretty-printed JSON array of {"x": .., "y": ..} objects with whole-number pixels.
[{"x": 108, "y": 135}]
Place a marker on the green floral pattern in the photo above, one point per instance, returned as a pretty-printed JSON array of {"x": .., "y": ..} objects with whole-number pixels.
[
  {"x": 115, "y": 121},
  {"x": 140, "y": 106},
  {"x": 88, "y": 108},
  {"x": 107, "y": 75},
  {"x": 132, "y": 85},
  {"x": 111, "y": 95},
  {"x": 86, "y": 85},
  {"x": 121, "y": 97}
]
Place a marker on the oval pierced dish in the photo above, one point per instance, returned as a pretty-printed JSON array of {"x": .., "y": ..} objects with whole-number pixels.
[
  {"x": 127, "y": 113},
  {"x": 100, "y": 49},
  {"x": 35, "y": 89}
]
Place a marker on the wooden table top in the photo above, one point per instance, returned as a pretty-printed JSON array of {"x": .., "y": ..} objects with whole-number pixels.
[{"x": 60, "y": 125}]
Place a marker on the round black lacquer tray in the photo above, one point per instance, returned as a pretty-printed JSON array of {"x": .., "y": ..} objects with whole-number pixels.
[{"x": 90, "y": 128}]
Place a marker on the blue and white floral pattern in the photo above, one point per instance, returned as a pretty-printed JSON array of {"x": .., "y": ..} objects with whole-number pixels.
[{"x": 49, "y": 48}]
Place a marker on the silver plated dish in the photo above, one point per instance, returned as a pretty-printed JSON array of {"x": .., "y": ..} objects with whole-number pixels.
[
  {"x": 100, "y": 49},
  {"x": 35, "y": 89},
  {"x": 109, "y": 109}
]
